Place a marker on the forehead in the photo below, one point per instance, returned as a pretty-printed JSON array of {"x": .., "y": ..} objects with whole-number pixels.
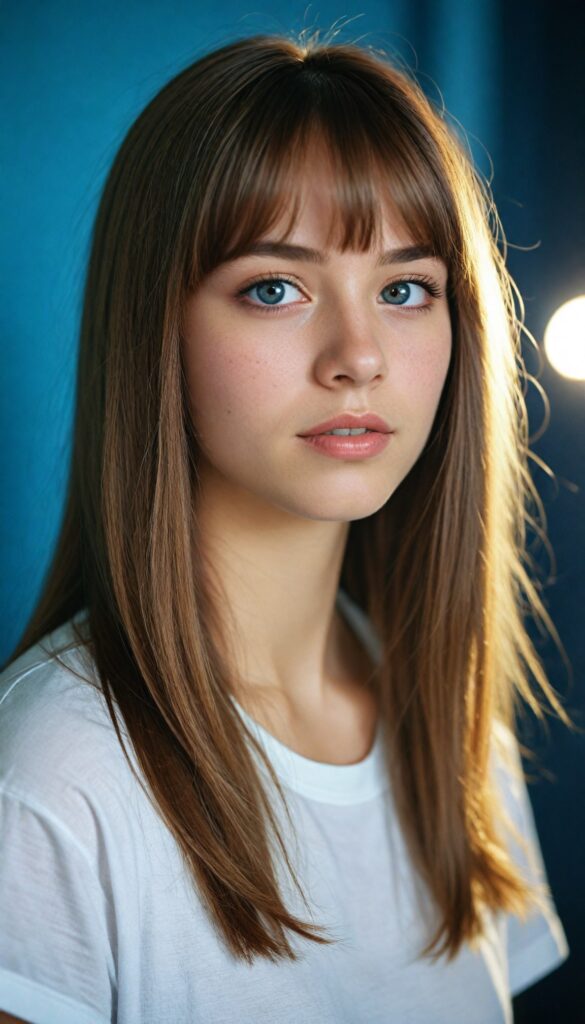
[
  {"x": 319, "y": 226},
  {"x": 324, "y": 200},
  {"x": 319, "y": 205}
]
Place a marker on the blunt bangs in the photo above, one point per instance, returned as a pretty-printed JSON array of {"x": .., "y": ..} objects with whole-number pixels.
[{"x": 380, "y": 167}]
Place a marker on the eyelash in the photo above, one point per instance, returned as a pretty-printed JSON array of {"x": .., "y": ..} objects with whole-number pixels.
[{"x": 269, "y": 278}]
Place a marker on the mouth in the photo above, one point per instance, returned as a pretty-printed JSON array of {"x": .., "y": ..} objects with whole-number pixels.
[
  {"x": 348, "y": 424},
  {"x": 346, "y": 432},
  {"x": 349, "y": 447}
]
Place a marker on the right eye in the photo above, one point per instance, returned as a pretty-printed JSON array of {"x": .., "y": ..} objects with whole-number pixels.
[{"x": 271, "y": 289}]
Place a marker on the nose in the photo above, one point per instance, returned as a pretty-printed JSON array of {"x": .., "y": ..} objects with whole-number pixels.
[{"x": 351, "y": 349}]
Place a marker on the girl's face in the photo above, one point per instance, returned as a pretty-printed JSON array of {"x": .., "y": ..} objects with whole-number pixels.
[{"x": 326, "y": 337}]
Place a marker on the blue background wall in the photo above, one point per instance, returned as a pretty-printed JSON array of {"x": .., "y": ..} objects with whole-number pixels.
[{"x": 76, "y": 75}]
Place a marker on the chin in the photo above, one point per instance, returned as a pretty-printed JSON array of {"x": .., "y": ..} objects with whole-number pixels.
[{"x": 342, "y": 508}]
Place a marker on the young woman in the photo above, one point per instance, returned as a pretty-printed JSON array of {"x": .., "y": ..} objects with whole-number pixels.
[{"x": 257, "y": 743}]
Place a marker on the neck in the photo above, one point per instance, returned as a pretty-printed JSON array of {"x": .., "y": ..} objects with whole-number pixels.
[{"x": 279, "y": 575}]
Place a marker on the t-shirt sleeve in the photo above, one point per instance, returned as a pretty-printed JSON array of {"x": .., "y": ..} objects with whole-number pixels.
[
  {"x": 538, "y": 945},
  {"x": 56, "y": 963}
]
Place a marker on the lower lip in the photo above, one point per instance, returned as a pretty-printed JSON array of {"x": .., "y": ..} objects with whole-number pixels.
[{"x": 344, "y": 446}]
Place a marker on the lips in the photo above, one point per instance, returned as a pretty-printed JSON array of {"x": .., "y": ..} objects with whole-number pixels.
[{"x": 369, "y": 420}]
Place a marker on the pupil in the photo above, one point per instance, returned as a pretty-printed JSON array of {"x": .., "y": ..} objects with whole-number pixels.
[
  {"x": 400, "y": 291},
  {"x": 273, "y": 291}
]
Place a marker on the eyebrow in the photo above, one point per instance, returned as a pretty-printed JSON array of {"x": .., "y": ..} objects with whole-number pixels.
[{"x": 284, "y": 250}]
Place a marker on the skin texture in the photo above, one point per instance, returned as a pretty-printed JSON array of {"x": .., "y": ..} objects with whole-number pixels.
[{"x": 275, "y": 514}]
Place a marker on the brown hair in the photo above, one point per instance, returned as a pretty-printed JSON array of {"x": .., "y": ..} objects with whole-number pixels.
[{"x": 208, "y": 167}]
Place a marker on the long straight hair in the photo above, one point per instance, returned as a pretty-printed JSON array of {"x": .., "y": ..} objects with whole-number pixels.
[{"x": 441, "y": 569}]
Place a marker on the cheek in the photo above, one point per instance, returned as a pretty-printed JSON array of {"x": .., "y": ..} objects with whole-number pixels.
[
  {"x": 423, "y": 372},
  {"x": 233, "y": 389}
]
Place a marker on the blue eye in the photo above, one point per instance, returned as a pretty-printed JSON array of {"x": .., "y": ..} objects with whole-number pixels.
[
  {"x": 272, "y": 289},
  {"x": 401, "y": 291}
]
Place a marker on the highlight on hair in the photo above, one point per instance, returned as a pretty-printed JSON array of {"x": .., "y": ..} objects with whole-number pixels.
[{"x": 441, "y": 569}]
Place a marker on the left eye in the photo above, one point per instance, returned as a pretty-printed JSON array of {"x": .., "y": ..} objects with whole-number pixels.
[
  {"x": 400, "y": 291},
  {"x": 272, "y": 288}
]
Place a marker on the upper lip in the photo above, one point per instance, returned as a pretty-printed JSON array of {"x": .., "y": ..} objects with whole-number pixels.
[{"x": 347, "y": 419}]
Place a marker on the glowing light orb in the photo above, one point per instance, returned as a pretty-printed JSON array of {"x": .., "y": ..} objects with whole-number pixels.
[{"x": 564, "y": 339}]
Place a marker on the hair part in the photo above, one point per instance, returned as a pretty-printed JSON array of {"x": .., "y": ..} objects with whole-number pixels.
[{"x": 212, "y": 164}]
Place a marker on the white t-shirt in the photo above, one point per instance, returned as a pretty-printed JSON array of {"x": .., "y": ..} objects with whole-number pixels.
[{"x": 99, "y": 923}]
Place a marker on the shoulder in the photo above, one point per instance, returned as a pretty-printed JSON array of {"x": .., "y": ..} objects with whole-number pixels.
[
  {"x": 59, "y": 752},
  {"x": 506, "y": 765},
  {"x": 63, "y": 848},
  {"x": 51, "y": 707},
  {"x": 511, "y": 792},
  {"x": 537, "y": 944}
]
